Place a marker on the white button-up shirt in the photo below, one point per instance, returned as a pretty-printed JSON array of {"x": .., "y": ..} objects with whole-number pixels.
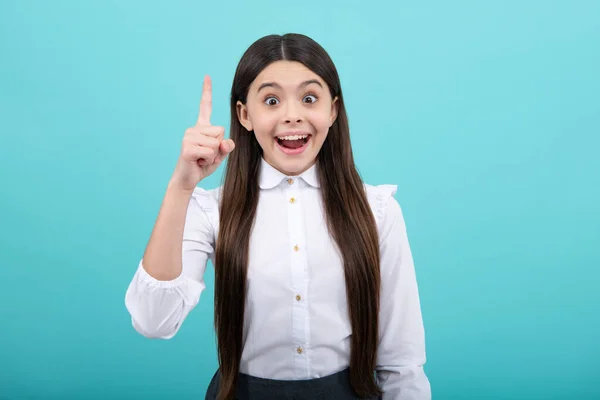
[{"x": 296, "y": 319}]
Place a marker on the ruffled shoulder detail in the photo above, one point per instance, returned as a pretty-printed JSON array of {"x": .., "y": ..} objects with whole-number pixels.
[
  {"x": 378, "y": 197},
  {"x": 207, "y": 199},
  {"x": 205, "y": 203}
]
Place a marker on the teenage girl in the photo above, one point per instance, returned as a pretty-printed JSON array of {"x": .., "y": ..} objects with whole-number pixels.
[{"x": 315, "y": 289}]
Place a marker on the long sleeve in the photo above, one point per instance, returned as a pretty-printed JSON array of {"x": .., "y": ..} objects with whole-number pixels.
[
  {"x": 158, "y": 308},
  {"x": 401, "y": 354}
]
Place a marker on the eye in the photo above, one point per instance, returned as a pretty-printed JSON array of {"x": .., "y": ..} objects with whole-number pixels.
[
  {"x": 312, "y": 97},
  {"x": 270, "y": 101}
]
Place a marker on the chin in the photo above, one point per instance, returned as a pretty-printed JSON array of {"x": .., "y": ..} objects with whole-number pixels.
[{"x": 293, "y": 165}]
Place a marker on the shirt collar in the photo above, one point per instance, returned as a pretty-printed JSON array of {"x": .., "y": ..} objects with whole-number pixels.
[{"x": 269, "y": 177}]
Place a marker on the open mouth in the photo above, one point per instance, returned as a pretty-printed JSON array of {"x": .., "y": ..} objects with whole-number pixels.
[{"x": 293, "y": 144}]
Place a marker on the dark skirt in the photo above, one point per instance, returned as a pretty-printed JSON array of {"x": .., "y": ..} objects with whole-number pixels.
[{"x": 331, "y": 387}]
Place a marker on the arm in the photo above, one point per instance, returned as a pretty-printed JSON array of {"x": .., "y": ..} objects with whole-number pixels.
[
  {"x": 401, "y": 354},
  {"x": 169, "y": 278}
]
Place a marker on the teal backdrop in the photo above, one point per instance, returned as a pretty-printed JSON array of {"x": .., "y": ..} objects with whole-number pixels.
[{"x": 486, "y": 114}]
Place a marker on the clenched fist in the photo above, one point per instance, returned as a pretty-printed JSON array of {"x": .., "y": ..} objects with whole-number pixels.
[{"x": 203, "y": 148}]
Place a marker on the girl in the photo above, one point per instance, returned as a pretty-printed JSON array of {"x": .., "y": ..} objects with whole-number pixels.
[{"x": 315, "y": 289}]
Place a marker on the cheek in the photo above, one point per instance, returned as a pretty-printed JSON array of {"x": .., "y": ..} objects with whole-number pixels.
[
  {"x": 264, "y": 127},
  {"x": 265, "y": 122},
  {"x": 320, "y": 120}
]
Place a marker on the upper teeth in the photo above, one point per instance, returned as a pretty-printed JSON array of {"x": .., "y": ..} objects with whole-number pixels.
[{"x": 293, "y": 137}]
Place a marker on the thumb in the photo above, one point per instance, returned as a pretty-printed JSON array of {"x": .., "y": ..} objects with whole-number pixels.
[{"x": 225, "y": 147}]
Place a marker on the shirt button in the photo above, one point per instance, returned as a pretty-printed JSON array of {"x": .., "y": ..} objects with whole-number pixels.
[
  {"x": 292, "y": 200},
  {"x": 290, "y": 181},
  {"x": 296, "y": 248},
  {"x": 299, "y": 350},
  {"x": 298, "y": 297}
]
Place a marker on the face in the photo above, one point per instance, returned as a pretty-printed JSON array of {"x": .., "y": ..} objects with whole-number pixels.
[{"x": 290, "y": 110}]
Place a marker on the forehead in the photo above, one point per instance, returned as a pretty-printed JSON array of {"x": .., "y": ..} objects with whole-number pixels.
[{"x": 286, "y": 73}]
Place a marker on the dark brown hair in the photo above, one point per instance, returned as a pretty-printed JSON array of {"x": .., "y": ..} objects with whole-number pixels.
[{"x": 349, "y": 218}]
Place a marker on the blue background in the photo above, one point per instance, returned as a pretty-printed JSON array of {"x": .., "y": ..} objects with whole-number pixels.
[{"x": 484, "y": 113}]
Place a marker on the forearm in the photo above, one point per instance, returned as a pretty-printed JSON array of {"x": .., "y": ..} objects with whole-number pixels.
[{"x": 162, "y": 257}]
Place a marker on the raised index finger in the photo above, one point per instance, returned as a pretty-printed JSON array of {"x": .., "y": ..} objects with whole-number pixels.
[{"x": 205, "y": 102}]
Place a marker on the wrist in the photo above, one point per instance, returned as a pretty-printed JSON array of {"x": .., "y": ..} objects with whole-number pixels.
[{"x": 176, "y": 188}]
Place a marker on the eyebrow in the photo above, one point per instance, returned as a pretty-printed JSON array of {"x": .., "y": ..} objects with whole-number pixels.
[{"x": 275, "y": 85}]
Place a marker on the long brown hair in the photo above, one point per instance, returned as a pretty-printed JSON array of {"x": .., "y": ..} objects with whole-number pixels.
[{"x": 349, "y": 218}]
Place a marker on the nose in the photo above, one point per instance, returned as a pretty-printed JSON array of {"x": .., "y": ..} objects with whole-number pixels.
[
  {"x": 292, "y": 114},
  {"x": 290, "y": 120}
]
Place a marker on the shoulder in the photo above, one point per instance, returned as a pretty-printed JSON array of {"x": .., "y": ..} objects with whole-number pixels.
[
  {"x": 204, "y": 204},
  {"x": 384, "y": 205},
  {"x": 207, "y": 199}
]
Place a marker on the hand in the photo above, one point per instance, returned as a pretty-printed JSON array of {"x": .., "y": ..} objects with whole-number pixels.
[{"x": 203, "y": 148}]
